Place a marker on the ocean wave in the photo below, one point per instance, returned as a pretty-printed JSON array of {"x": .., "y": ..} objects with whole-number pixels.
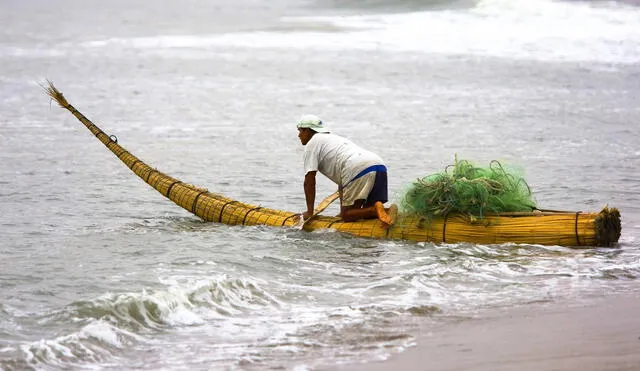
[
  {"x": 185, "y": 304},
  {"x": 234, "y": 296},
  {"x": 93, "y": 343},
  {"x": 455, "y": 278},
  {"x": 395, "y": 5},
  {"x": 353, "y": 289},
  {"x": 29, "y": 52},
  {"x": 515, "y": 29},
  {"x": 114, "y": 322},
  {"x": 136, "y": 311}
]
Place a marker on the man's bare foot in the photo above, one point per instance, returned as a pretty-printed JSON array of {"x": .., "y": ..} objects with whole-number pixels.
[
  {"x": 382, "y": 214},
  {"x": 392, "y": 211}
]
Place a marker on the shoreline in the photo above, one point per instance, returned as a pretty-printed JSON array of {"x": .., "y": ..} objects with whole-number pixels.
[{"x": 600, "y": 335}]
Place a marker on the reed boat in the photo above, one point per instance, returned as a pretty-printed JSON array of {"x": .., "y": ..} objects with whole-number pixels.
[{"x": 589, "y": 229}]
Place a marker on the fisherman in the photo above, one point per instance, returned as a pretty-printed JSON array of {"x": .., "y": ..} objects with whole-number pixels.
[{"x": 361, "y": 175}]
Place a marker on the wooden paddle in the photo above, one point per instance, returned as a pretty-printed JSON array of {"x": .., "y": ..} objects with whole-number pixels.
[{"x": 321, "y": 206}]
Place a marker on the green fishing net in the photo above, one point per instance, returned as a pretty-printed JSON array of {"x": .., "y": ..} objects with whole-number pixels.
[{"x": 467, "y": 189}]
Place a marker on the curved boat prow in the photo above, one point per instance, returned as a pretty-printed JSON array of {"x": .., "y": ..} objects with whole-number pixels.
[
  {"x": 208, "y": 206},
  {"x": 549, "y": 228}
]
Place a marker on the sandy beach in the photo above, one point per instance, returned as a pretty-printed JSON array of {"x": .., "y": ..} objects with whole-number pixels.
[{"x": 601, "y": 335}]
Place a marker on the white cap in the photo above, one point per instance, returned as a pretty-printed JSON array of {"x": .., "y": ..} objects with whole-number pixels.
[{"x": 312, "y": 122}]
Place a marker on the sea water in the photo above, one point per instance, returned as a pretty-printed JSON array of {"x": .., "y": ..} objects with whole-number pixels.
[{"x": 99, "y": 271}]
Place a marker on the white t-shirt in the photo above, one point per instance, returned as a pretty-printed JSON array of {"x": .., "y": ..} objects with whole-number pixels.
[{"x": 338, "y": 158}]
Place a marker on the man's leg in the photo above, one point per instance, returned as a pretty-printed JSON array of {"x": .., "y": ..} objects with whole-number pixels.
[
  {"x": 372, "y": 207},
  {"x": 357, "y": 212}
]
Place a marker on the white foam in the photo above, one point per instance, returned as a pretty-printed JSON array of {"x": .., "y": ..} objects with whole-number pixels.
[
  {"x": 539, "y": 29},
  {"x": 19, "y": 52},
  {"x": 521, "y": 29},
  {"x": 174, "y": 306},
  {"x": 103, "y": 332}
]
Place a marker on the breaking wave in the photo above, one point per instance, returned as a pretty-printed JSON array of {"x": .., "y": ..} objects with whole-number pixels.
[
  {"x": 541, "y": 30},
  {"x": 111, "y": 323}
]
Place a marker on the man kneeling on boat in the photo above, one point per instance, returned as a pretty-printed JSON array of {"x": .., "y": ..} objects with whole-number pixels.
[{"x": 361, "y": 175}]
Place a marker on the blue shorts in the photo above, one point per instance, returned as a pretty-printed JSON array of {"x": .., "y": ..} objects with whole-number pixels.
[{"x": 379, "y": 190}]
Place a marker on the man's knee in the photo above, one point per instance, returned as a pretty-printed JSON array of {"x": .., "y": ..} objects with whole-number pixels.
[
  {"x": 345, "y": 216},
  {"x": 347, "y": 212}
]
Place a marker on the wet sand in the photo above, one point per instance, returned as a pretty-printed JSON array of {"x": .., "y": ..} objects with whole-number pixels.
[{"x": 601, "y": 335}]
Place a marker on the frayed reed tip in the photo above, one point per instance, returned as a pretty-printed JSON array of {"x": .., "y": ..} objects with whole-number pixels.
[{"x": 54, "y": 93}]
